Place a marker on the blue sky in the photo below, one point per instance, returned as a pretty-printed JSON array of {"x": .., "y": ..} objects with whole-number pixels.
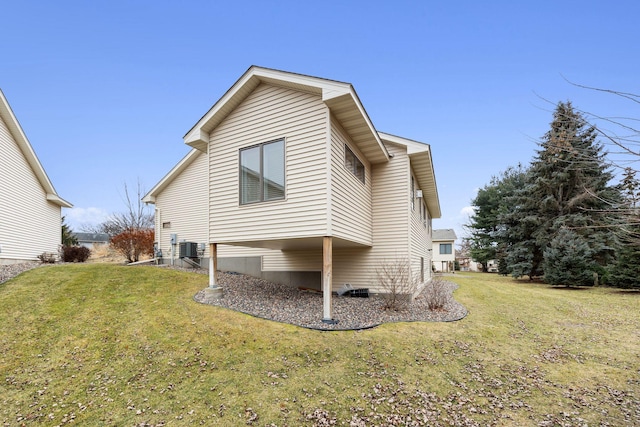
[{"x": 105, "y": 90}]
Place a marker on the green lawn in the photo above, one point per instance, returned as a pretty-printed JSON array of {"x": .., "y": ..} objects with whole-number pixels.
[{"x": 111, "y": 345}]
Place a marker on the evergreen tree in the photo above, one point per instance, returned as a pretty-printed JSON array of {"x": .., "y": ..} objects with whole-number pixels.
[
  {"x": 626, "y": 271},
  {"x": 68, "y": 238},
  {"x": 567, "y": 188},
  {"x": 568, "y": 261},
  {"x": 490, "y": 206}
]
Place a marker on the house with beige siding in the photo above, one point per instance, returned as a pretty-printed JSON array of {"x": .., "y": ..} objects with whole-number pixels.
[
  {"x": 289, "y": 180},
  {"x": 444, "y": 250},
  {"x": 30, "y": 208}
]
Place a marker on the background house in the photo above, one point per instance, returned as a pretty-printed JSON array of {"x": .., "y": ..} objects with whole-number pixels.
[
  {"x": 92, "y": 240},
  {"x": 444, "y": 250},
  {"x": 289, "y": 180},
  {"x": 30, "y": 208}
]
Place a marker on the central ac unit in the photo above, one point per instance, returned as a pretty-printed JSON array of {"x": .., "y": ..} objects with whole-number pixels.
[{"x": 188, "y": 250}]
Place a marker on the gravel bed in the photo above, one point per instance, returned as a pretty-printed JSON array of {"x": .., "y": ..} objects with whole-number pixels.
[
  {"x": 287, "y": 304},
  {"x": 12, "y": 270}
]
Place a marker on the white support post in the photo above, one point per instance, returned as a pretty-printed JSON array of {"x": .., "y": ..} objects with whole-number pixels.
[
  {"x": 213, "y": 265},
  {"x": 327, "y": 271}
]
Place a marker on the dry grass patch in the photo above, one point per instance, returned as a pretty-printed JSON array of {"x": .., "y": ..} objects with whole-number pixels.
[{"x": 100, "y": 344}]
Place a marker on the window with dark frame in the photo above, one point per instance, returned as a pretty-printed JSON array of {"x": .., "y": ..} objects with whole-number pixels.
[
  {"x": 445, "y": 249},
  {"x": 262, "y": 172},
  {"x": 353, "y": 164}
]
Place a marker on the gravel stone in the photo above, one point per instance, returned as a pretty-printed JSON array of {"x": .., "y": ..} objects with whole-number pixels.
[
  {"x": 287, "y": 304},
  {"x": 12, "y": 270}
]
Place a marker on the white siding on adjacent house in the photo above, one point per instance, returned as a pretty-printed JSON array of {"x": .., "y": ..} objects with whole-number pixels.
[
  {"x": 29, "y": 223},
  {"x": 267, "y": 114},
  {"x": 351, "y": 215}
]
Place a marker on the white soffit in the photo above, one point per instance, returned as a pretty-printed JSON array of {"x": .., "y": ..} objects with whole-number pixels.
[
  {"x": 422, "y": 165},
  {"x": 338, "y": 96}
]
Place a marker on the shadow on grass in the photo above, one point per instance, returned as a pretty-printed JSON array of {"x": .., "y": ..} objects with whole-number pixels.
[{"x": 627, "y": 292}]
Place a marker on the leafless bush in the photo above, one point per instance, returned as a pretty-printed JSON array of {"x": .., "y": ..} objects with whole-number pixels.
[
  {"x": 436, "y": 293},
  {"x": 397, "y": 283},
  {"x": 47, "y": 257}
]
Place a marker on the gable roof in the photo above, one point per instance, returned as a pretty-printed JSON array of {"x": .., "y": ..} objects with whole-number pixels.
[
  {"x": 150, "y": 197},
  {"x": 6, "y": 114},
  {"x": 340, "y": 97},
  {"x": 444, "y": 234},
  {"x": 422, "y": 164}
]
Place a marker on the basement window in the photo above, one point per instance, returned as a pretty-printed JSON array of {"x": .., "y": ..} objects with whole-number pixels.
[{"x": 353, "y": 164}]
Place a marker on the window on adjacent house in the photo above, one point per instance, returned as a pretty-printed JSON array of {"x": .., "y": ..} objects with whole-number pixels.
[
  {"x": 353, "y": 164},
  {"x": 445, "y": 249},
  {"x": 262, "y": 172},
  {"x": 166, "y": 225}
]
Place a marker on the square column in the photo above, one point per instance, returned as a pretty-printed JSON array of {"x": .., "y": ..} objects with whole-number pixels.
[{"x": 327, "y": 271}]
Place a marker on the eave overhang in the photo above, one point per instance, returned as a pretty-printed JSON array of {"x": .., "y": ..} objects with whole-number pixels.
[
  {"x": 6, "y": 113},
  {"x": 340, "y": 98},
  {"x": 422, "y": 165}
]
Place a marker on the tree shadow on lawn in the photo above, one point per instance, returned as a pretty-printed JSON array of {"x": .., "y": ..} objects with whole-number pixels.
[{"x": 635, "y": 292}]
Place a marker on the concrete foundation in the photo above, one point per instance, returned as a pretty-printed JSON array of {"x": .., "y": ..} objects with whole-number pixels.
[{"x": 252, "y": 266}]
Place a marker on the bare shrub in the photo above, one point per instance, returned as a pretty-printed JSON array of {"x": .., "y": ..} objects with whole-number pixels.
[
  {"x": 47, "y": 258},
  {"x": 397, "y": 283},
  {"x": 134, "y": 243},
  {"x": 436, "y": 293}
]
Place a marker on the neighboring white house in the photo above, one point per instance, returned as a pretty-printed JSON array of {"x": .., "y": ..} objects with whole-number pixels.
[
  {"x": 289, "y": 180},
  {"x": 30, "y": 208},
  {"x": 444, "y": 250}
]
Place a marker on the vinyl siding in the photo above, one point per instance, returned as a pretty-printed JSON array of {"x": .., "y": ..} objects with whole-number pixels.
[
  {"x": 183, "y": 204},
  {"x": 267, "y": 114},
  {"x": 390, "y": 206},
  {"x": 30, "y": 224},
  {"x": 390, "y": 234},
  {"x": 307, "y": 260},
  {"x": 420, "y": 240},
  {"x": 351, "y": 215}
]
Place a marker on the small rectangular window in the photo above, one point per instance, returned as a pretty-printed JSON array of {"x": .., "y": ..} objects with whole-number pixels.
[
  {"x": 445, "y": 249},
  {"x": 262, "y": 172},
  {"x": 353, "y": 164},
  {"x": 166, "y": 225}
]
